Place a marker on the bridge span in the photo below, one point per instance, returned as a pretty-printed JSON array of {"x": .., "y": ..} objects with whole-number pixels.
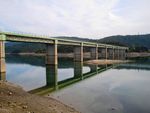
[{"x": 97, "y": 50}]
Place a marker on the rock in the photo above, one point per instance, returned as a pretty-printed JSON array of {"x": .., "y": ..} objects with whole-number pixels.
[
  {"x": 0, "y": 105},
  {"x": 9, "y": 102},
  {"x": 10, "y": 93},
  {"x": 24, "y": 107},
  {"x": 12, "y": 105}
]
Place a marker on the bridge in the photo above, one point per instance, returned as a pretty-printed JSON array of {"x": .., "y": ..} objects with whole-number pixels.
[{"x": 97, "y": 50}]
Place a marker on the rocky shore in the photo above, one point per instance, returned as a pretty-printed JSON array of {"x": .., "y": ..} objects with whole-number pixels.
[{"x": 13, "y": 99}]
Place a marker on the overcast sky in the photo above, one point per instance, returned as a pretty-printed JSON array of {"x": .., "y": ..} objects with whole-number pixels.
[{"x": 83, "y": 18}]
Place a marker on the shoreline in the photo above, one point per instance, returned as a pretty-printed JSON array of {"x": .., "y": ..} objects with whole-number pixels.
[
  {"x": 104, "y": 62},
  {"x": 138, "y": 54},
  {"x": 61, "y": 55},
  {"x": 13, "y": 99},
  {"x": 86, "y": 54}
]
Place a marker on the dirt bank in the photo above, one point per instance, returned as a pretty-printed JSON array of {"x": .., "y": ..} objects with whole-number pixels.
[
  {"x": 138, "y": 54},
  {"x": 103, "y": 62},
  {"x": 13, "y": 99},
  {"x": 60, "y": 55}
]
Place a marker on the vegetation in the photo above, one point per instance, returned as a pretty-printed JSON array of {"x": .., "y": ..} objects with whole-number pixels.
[{"x": 138, "y": 43}]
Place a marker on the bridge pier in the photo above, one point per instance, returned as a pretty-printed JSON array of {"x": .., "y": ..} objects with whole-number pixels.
[
  {"x": 2, "y": 55},
  {"x": 106, "y": 53},
  {"x": 94, "y": 53},
  {"x": 115, "y": 54},
  {"x": 123, "y": 56},
  {"x": 51, "y": 54},
  {"x": 78, "y": 53},
  {"x": 103, "y": 53},
  {"x": 110, "y": 53}
]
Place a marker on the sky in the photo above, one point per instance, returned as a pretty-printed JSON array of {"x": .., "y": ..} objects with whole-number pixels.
[{"x": 83, "y": 18}]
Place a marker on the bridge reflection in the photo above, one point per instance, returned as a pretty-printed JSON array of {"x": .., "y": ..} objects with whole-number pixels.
[{"x": 52, "y": 82}]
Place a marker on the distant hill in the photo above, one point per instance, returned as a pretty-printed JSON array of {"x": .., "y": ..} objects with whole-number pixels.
[
  {"x": 129, "y": 40},
  {"x": 76, "y": 38},
  {"x": 132, "y": 41}
]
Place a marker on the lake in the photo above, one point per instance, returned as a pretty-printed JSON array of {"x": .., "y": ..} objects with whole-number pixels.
[{"x": 120, "y": 88}]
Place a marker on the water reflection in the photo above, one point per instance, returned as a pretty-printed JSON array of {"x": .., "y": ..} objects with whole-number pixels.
[
  {"x": 78, "y": 71},
  {"x": 52, "y": 82},
  {"x": 51, "y": 75},
  {"x": 124, "y": 87},
  {"x": 118, "y": 90},
  {"x": 33, "y": 75}
]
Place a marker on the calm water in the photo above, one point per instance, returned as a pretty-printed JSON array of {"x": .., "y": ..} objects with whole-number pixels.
[{"x": 121, "y": 89}]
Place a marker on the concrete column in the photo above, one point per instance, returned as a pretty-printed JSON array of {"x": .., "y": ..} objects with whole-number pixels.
[
  {"x": 51, "y": 54},
  {"x": 110, "y": 53},
  {"x": 2, "y": 54},
  {"x": 51, "y": 75},
  {"x": 103, "y": 53},
  {"x": 123, "y": 54},
  {"x": 106, "y": 55},
  {"x": 94, "y": 53},
  {"x": 78, "y": 53},
  {"x": 113, "y": 57},
  {"x": 78, "y": 70},
  {"x": 118, "y": 53}
]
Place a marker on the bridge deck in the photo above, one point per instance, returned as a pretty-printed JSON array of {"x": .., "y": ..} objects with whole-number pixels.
[{"x": 49, "y": 40}]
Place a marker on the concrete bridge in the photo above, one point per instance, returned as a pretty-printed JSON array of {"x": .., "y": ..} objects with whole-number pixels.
[{"x": 97, "y": 50}]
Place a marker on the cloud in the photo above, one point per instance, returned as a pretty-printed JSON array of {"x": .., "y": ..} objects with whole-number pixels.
[{"x": 84, "y": 18}]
